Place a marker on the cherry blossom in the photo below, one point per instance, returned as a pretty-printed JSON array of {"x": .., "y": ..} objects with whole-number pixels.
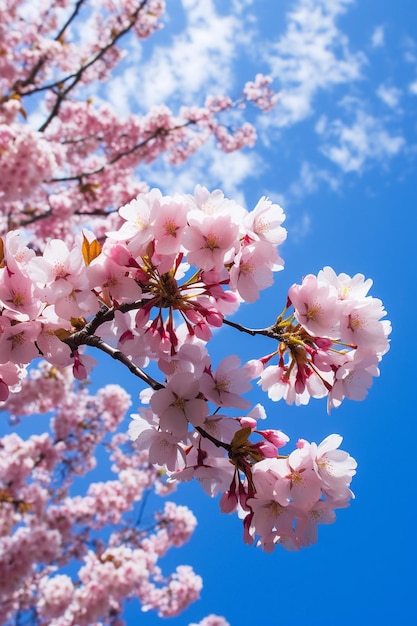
[
  {"x": 210, "y": 240},
  {"x": 93, "y": 261},
  {"x": 178, "y": 404}
]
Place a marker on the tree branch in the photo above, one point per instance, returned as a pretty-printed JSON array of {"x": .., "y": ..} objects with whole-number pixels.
[
  {"x": 270, "y": 331},
  {"x": 61, "y": 95},
  {"x": 160, "y": 132},
  {"x": 96, "y": 342},
  {"x": 42, "y": 60},
  {"x": 217, "y": 443}
]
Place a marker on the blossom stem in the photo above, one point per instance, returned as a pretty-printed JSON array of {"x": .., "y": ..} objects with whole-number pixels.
[
  {"x": 217, "y": 443},
  {"x": 97, "y": 342},
  {"x": 270, "y": 331}
]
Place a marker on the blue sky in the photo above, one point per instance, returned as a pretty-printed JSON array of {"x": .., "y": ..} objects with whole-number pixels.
[{"x": 339, "y": 154}]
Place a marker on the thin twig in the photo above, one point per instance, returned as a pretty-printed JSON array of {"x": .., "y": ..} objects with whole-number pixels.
[
  {"x": 217, "y": 443},
  {"x": 83, "y": 338},
  {"x": 270, "y": 331}
]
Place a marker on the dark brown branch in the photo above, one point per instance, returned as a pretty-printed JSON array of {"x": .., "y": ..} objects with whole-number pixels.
[
  {"x": 38, "y": 66},
  {"x": 105, "y": 314},
  {"x": 217, "y": 443},
  {"x": 271, "y": 331},
  {"x": 77, "y": 76},
  {"x": 160, "y": 132},
  {"x": 83, "y": 338},
  {"x": 70, "y": 19}
]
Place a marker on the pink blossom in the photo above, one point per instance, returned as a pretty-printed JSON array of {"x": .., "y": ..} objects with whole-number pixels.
[
  {"x": 353, "y": 377},
  {"x": 252, "y": 269},
  {"x": 169, "y": 226},
  {"x": 26, "y": 160},
  {"x": 144, "y": 420},
  {"x": 184, "y": 587},
  {"x": 225, "y": 386},
  {"x": 212, "y": 620},
  {"x": 220, "y": 427},
  {"x": 260, "y": 92},
  {"x": 164, "y": 448},
  {"x": 322, "y": 512},
  {"x": 210, "y": 240},
  {"x": 276, "y": 437},
  {"x": 214, "y": 473},
  {"x": 348, "y": 288},
  {"x": 179, "y": 521},
  {"x": 291, "y": 385},
  {"x": 316, "y": 306},
  {"x": 191, "y": 356},
  {"x": 297, "y": 482},
  {"x": 112, "y": 281},
  {"x": 271, "y": 517},
  {"x": 361, "y": 326},
  {"x": 178, "y": 404},
  {"x": 138, "y": 215},
  {"x": 57, "y": 263},
  {"x": 334, "y": 467},
  {"x": 18, "y": 342},
  {"x": 83, "y": 364},
  {"x": 19, "y": 296},
  {"x": 55, "y": 595},
  {"x": 264, "y": 222},
  {"x": 17, "y": 255},
  {"x": 214, "y": 203}
]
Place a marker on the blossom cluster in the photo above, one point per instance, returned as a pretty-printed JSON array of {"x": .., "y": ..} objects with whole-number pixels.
[
  {"x": 293, "y": 495},
  {"x": 152, "y": 291},
  {"x": 331, "y": 344},
  {"x": 281, "y": 498},
  {"x": 44, "y": 528},
  {"x": 147, "y": 284},
  {"x": 80, "y": 162},
  {"x": 26, "y": 160},
  {"x": 134, "y": 281}
]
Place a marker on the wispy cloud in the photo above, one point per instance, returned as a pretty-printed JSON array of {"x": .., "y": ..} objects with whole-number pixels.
[
  {"x": 308, "y": 181},
  {"x": 312, "y": 55},
  {"x": 209, "y": 167},
  {"x": 378, "y": 37},
  {"x": 352, "y": 145},
  {"x": 316, "y": 68},
  {"x": 389, "y": 95},
  {"x": 194, "y": 60},
  {"x": 300, "y": 225}
]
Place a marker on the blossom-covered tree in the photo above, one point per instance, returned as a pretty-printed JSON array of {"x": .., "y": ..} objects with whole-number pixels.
[{"x": 90, "y": 257}]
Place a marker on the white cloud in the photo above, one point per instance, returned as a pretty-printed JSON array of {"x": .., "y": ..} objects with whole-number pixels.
[
  {"x": 309, "y": 180},
  {"x": 204, "y": 50},
  {"x": 232, "y": 170},
  {"x": 194, "y": 60},
  {"x": 209, "y": 167},
  {"x": 410, "y": 54},
  {"x": 300, "y": 226},
  {"x": 352, "y": 146},
  {"x": 312, "y": 55},
  {"x": 378, "y": 37},
  {"x": 389, "y": 95}
]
